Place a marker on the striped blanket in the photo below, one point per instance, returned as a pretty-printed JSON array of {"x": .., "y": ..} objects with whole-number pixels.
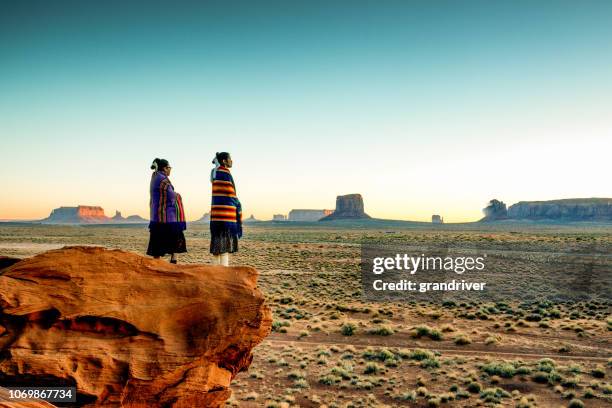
[
  {"x": 166, "y": 204},
  {"x": 226, "y": 210}
]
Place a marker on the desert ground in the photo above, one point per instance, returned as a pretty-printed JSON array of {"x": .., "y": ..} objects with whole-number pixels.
[{"x": 331, "y": 347}]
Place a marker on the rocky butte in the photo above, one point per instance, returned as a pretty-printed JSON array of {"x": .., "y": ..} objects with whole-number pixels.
[
  {"x": 308, "y": 215},
  {"x": 127, "y": 330},
  {"x": 572, "y": 209},
  {"x": 82, "y": 214},
  {"x": 87, "y": 214},
  {"x": 495, "y": 210},
  {"x": 348, "y": 207}
]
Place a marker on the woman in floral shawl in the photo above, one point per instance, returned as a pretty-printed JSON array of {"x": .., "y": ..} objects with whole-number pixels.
[
  {"x": 225, "y": 211},
  {"x": 167, "y": 221}
]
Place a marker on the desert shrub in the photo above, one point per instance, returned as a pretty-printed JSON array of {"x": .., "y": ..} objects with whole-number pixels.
[
  {"x": 546, "y": 365},
  {"x": 381, "y": 331},
  {"x": 385, "y": 354},
  {"x": 540, "y": 377},
  {"x": 598, "y": 372},
  {"x": 421, "y": 331},
  {"x": 348, "y": 329},
  {"x": 502, "y": 369},
  {"x": 421, "y": 354},
  {"x": 251, "y": 396},
  {"x": 434, "y": 402},
  {"x": 329, "y": 379},
  {"x": 474, "y": 387},
  {"x": 575, "y": 403},
  {"x": 523, "y": 370},
  {"x": 301, "y": 383},
  {"x": 422, "y": 391},
  {"x": 491, "y": 340},
  {"x": 372, "y": 368},
  {"x": 554, "y": 377},
  {"x": 462, "y": 340},
  {"x": 430, "y": 363},
  {"x": 408, "y": 396},
  {"x": 462, "y": 394},
  {"x": 296, "y": 375},
  {"x": 341, "y": 372},
  {"x": 494, "y": 394},
  {"x": 279, "y": 325},
  {"x": 533, "y": 317},
  {"x": 435, "y": 335}
]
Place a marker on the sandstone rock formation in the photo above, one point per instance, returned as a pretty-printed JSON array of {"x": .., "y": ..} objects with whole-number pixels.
[
  {"x": 348, "y": 207},
  {"x": 82, "y": 214},
  {"x": 308, "y": 215},
  {"x": 437, "y": 219},
  {"x": 496, "y": 210},
  {"x": 127, "y": 330},
  {"x": 204, "y": 219},
  {"x": 250, "y": 219},
  {"x": 573, "y": 209},
  {"x": 6, "y": 261},
  {"x": 85, "y": 214}
]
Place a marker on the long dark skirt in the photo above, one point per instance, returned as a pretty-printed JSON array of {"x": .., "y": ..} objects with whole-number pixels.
[
  {"x": 165, "y": 239},
  {"x": 223, "y": 241}
]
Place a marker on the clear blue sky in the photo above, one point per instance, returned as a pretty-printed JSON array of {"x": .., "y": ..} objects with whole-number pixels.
[{"x": 422, "y": 106}]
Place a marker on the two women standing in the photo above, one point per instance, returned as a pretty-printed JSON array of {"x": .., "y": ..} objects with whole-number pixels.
[{"x": 168, "y": 216}]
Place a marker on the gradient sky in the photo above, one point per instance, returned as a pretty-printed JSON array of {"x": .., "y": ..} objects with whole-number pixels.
[{"x": 423, "y": 107}]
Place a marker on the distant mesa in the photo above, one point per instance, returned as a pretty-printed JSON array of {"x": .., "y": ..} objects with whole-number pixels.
[
  {"x": 132, "y": 219},
  {"x": 279, "y": 217},
  {"x": 308, "y": 215},
  {"x": 571, "y": 209},
  {"x": 348, "y": 207},
  {"x": 204, "y": 219},
  {"x": 135, "y": 219},
  {"x": 251, "y": 219},
  {"x": 437, "y": 219},
  {"x": 495, "y": 210},
  {"x": 87, "y": 214},
  {"x": 82, "y": 214}
]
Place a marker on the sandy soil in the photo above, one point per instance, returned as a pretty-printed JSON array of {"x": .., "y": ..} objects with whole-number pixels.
[{"x": 330, "y": 347}]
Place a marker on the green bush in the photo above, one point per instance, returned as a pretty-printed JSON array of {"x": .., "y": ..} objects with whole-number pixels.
[
  {"x": 421, "y": 354},
  {"x": 505, "y": 370},
  {"x": 348, "y": 329},
  {"x": 474, "y": 387},
  {"x": 381, "y": 331},
  {"x": 371, "y": 368},
  {"x": 430, "y": 363},
  {"x": 576, "y": 403},
  {"x": 598, "y": 372}
]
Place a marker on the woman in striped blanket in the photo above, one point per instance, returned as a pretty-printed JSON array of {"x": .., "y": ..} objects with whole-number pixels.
[
  {"x": 225, "y": 212},
  {"x": 167, "y": 214}
]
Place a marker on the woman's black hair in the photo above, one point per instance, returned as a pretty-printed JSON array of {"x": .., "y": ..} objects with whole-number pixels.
[
  {"x": 159, "y": 164},
  {"x": 221, "y": 156}
]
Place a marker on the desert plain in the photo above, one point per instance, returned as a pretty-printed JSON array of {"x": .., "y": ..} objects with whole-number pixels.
[{"x": 332, "y": 347}]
